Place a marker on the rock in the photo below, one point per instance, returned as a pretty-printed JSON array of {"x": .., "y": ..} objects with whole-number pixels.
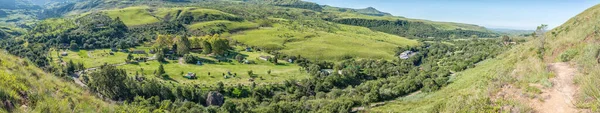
[
  {"x": 214, "y": 98},
  {"x": 8, "y": 105}
]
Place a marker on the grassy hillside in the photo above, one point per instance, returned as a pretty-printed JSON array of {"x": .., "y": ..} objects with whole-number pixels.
[
  {"x": 471, "y": 89},
  {"x": 132, "y": 16},
  {"x": 140, "y": 15},
  {"x": 29, "y": 89},
  {"x": 371, "y": 13},
  {"x": 347, "y": 42},
  {"x": 576, "y": 41},
  {"x": 174, "y": 13}
]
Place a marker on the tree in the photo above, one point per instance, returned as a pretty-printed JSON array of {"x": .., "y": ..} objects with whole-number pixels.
[
  {"x": 506, "y": 39},
  {"x": 70, "y": 67},
  {"x": 474, "y": 37},
  {"x": 219, "y": 45},
  {"x": 122, "y": 45},
  {"x": 206, "y": 48},
  {"x": 129, "y": 57},
  {"x": 74, "y": 45},
  {"x": 269, "y": 72},
  {"x": 160, "y": 56},
  {"x": 161, "y": 70},
  {"x": 239, "y": 58},
  {"x": 183, "y": 45},
  {"x": 273, "y": 60},
  {"x": 540, "y": 34},
  {"x": 250, "y": 73},
  {"x": 190, "y": 58},
  {"x": 174, "y": 48},
  {"x": 110, "y": 82},
  {"x": 162, "y": 41}
]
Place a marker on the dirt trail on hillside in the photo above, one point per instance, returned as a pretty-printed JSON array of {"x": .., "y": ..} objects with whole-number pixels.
[{"x": 559, "y": 98}]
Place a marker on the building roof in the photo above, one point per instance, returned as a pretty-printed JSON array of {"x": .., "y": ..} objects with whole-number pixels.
[{"x": 407, "y": 54}]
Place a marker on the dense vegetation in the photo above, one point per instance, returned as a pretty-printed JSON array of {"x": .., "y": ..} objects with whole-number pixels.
[
  {"x": 412, "y": 29},
  {"x": 347, "y": 66}
]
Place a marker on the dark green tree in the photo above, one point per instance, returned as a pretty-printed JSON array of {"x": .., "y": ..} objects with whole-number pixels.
[{"x": 74, "y": 45}]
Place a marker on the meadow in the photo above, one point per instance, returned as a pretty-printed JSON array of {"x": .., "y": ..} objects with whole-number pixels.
[{"x": 176, "y": 70}]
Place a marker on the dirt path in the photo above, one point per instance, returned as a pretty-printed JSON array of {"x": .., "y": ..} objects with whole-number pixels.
[{"x": 559, "y": 98}]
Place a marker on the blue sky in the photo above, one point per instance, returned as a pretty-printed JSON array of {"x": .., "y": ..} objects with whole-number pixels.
[{"x": 511, "y": 14}]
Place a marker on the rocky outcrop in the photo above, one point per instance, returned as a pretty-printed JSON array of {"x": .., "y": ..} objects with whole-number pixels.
[
  {"x": 8, "y": 105},
  {"x": 214, "y": 98}
]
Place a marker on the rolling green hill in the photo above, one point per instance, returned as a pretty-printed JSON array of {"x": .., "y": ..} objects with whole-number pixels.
[
  {"x": 345, "y": 43},
  {"x": 132, "y": 16}
]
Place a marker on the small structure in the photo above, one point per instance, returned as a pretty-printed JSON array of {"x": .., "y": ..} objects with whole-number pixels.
[
  {"x": 327, "y": 71},
  {"x": 198, "y": 63},
  {"x": 407, "y": 54},
  {"x": 111, "y": 53},
  {"x": 139, "y": 52},
  {"x": 290, "y": 61},
  {"x": 248, "y": 49},
  {"x": 64, "y": 54},
  {"x": 265, "y": 58},
  {"x": 190, "y": 75},
  {"x": 99, "y": 25},
  {"x": 114, "y": 49},
  {"x": 152, "y": 52}
]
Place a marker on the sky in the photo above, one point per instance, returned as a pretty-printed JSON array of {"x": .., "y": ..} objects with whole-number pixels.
[{"x": 507, "y": 14}]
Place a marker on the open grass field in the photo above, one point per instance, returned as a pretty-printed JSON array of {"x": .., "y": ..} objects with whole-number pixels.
[
  {"x": 133, "y": 16},
  {"x": 92, "y": 58},
  {"x": 279, "y": 73},
  {"x": 348, "y": 41}
]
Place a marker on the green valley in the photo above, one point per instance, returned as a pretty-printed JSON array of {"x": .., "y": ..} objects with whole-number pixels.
[{"x": 290, "y": 56}]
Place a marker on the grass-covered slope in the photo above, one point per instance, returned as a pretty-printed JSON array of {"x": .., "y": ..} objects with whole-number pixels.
[
  {"x": 342, "y": 43},
  {"x": 25, "y": 88},
  {"x": 141, "y": 15},
  {"x": 578, "y": 41},
  {"x": 472, "y": 89},
  {"x": 406, "y": 27},
  {"x": 132, "y": 16},
  {"x": 525, "y": 66}
]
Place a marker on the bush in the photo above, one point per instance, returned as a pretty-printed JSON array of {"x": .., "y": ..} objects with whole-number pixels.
[
  {"x": 190, "y": 58},
  {"x": 568, "y": 55}
]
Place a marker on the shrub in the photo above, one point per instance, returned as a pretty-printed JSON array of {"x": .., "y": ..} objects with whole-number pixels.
[{"x": 568, "y": 55}]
